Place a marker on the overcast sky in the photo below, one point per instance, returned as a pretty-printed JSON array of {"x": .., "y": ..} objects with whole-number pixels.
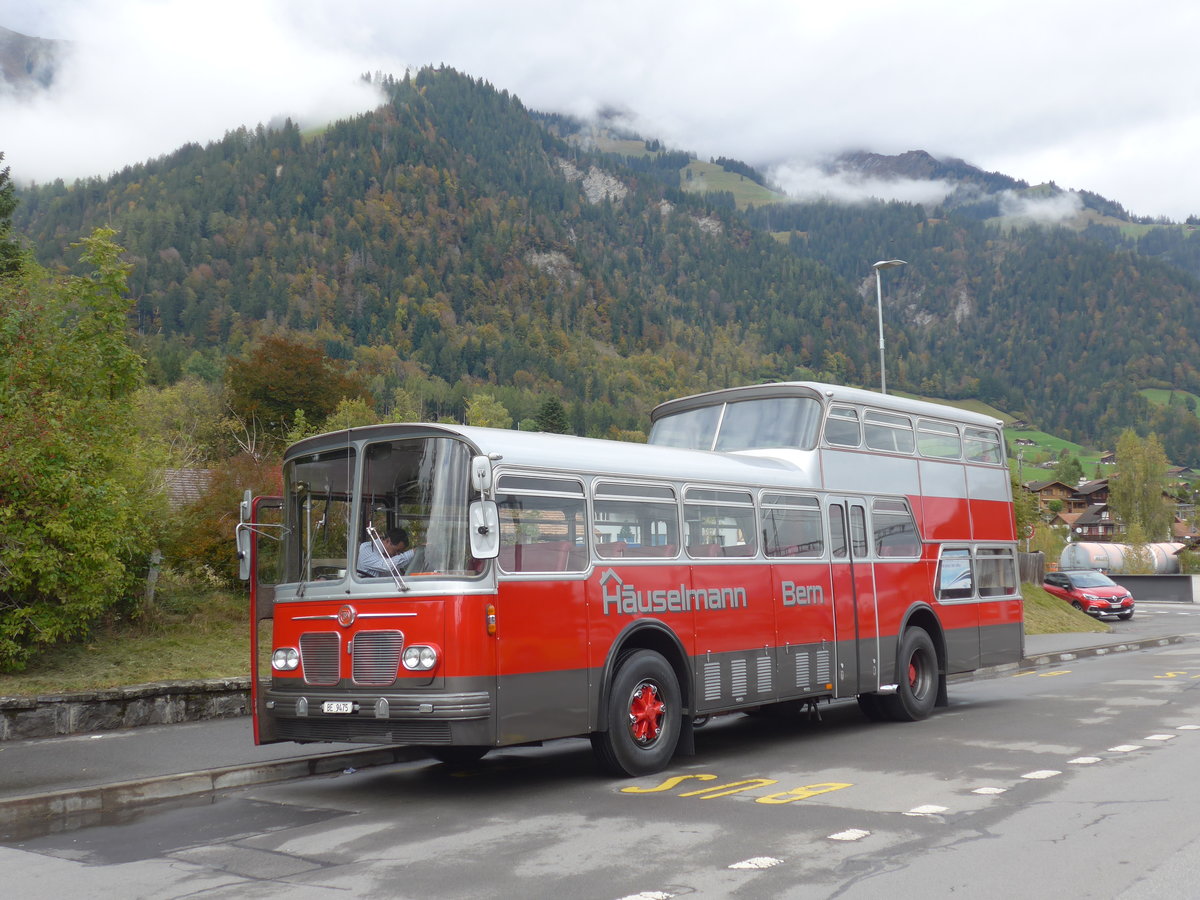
[{"x": 1102, "y": 96}]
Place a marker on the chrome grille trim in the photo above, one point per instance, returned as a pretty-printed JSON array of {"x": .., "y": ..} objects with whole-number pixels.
[
  {"x": 319, "y": 657},
  {"x": 376, "y": 657}
]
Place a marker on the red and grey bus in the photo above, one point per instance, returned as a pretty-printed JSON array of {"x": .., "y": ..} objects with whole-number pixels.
[{"x": 771, "y": 546}]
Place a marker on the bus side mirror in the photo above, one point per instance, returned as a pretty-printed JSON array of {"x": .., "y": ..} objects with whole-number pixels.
[
  {"x": 242, "y": 537},
  {"x": 481, "y": 473},
  {"x": 484, "y": 523}
]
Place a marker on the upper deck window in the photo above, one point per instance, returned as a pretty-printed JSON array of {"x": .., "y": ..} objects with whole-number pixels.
[
  {"x": 981, "y": 445},
  {"x": 888, "y": 431},
  {"x": 939, "y": 439},
  {"x": 842, "y": 427},
  {"x": 759, "y": 424}
]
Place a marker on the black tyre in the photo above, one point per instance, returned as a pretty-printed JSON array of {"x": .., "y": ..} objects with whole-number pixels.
[
  {"x": 644, "y": 706},
  {"x": 1077, "y": 605},
  {"x": 917, "y": 674},
  {"x": 1126, "y": 616},
  {"x": 458, "y": 756}
]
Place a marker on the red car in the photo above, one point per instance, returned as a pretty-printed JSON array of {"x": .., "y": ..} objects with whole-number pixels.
[{"x": 1090, "y": 591}]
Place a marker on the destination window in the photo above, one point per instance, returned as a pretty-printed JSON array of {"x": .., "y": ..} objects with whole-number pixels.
[{"x": 955, "y": 578}]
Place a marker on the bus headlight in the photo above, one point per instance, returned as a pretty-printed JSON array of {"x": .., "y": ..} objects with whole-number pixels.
[
  {"x": 285, "y": 659},
  {"x": 419, "y": 657}
]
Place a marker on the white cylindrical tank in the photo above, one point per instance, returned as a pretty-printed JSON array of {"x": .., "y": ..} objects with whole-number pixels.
[{"x": 1111, "y": 557}]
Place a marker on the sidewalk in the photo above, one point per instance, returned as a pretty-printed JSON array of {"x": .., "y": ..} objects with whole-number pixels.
[{"x": 65, "y": 782}]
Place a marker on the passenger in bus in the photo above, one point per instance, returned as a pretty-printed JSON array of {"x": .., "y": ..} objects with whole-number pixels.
[{"x": 371, "y": 564}]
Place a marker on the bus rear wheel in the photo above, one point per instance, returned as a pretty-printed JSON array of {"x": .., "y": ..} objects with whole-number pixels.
[
  {"x": 918, "y": 678},
  {"x": 644, "y": 714}
]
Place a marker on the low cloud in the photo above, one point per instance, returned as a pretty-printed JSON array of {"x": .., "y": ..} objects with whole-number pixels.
[
  {"x": 1045, "y": 210},
  {"x": 808, "y": 181}
]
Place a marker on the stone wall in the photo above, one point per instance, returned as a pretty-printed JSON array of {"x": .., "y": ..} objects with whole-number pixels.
[{"x": 125, "y": 707}]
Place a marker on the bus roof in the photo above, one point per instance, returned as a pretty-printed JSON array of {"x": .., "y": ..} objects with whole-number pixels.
[
  {"x": 560, "y": 452},
  {"x": 825, "y": 393}
]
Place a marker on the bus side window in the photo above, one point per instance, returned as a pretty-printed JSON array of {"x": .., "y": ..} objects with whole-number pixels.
[
  {"x": 719, "y": 523},
  {"x": 792, "y": 525},
  {"x": 997, "y": 572},
  {"x": 542, "y": 524},
  {"x": 895, "y": 530},
  {"x": 635, "y": 520}
]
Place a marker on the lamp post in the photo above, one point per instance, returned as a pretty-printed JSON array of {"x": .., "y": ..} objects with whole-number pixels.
[{"x": 883, "y": 264}]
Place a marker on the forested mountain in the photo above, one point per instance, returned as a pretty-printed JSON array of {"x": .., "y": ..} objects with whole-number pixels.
[{"x": 452, "y": 239}]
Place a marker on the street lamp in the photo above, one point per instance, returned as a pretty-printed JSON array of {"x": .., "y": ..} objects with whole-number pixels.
[{"x": 883, "y": 264}]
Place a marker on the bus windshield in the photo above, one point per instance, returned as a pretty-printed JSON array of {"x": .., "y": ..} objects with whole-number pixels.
[{"x": 420, "y": 485}]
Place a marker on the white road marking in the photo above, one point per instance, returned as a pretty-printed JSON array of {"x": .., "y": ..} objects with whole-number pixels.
[
  {"x": 1159, "y": 737},
  {"x": 927, "y": 810},
  {"x": 989, "y": 790},
  {"x": 757, "y": 862},
  {"x": 851, "y": 834},
  {"x": 1124, "y": 748},
  {"x": 1041, "y": 773},
  {"x": 1083, "y": 760}
]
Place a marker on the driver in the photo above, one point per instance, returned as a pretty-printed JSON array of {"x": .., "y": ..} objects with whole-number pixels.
[{"x": 372, "y": 565}]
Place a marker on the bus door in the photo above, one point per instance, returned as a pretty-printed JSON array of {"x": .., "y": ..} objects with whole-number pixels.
[
  {"x": 257, "y": 536},
  {"x": 541, "y": 609},
  {"x": 855, "y": 619}
]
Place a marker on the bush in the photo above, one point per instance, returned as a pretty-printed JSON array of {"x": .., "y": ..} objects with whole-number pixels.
[{"x": 77, "y": 496}]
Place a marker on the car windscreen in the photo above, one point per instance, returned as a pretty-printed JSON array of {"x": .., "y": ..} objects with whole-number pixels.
[{"x": 1092, "y": 579}]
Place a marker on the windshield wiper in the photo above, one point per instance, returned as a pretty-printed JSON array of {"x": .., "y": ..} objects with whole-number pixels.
[{"x": 393, "y": 569}]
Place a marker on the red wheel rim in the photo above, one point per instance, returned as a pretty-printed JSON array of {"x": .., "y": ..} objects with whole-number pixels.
[{"x": 646, "y": 712}]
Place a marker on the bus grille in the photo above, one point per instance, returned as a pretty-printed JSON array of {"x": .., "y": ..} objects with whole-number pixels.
[
  {"x": 824, "y": 667},
  {"x": 737, "y": 672},
  {"x": 764, "y": 675},
  {"x": 712, "y": 681},
  {"x": 377, "y": 656},
  {"x": 803, "y": 671},
  {"x": 319, "y": 657}
]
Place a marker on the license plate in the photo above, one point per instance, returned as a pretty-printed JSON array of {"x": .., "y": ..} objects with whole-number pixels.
[{"x": 337, "y": 706}]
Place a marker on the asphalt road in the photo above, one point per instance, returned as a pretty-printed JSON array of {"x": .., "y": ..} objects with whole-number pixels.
[{"x": 1071, "y": 780}]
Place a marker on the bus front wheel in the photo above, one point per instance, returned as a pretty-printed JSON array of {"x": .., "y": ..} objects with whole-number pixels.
[
  {"x": 644, "y": 714},
  {"x": 917, "y": 674}
]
